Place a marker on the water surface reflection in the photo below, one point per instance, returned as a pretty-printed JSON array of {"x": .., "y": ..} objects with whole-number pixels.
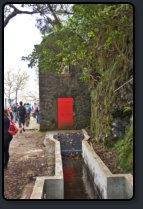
[{"x": 77, "y": 182}]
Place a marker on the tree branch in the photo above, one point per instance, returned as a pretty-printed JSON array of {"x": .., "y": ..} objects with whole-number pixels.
[
  {"x": 10, "y": 16},
  {"x": 123, "y": 85},
  {"x": 93, "y": 78},
  {"x": 15, "y": 12},
  {"x": 54, "y": 15},
  {"x": 68, "y": 13}
]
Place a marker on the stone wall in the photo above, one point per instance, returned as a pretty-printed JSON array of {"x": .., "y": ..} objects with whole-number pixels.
[
  {"x": 111, "y": 110},
  {"x": 55, "y": 86}
]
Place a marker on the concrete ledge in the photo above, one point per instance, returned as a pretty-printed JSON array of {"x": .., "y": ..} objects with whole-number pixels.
[
  {"x": 45, "y": 184},
  {"x": 110, "y": 186},
  {"x": 86, "y": 137}
]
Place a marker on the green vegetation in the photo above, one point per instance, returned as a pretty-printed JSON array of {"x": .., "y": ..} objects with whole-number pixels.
[
  {"x": 21, "y": 190},
  {"x": 37, "y": 134},
  {"x": 105, "y": 102},
  {"x": 93, "y": 39},
  {"x": 98, "y": 40},
  {"x": 125, "y": 150}
]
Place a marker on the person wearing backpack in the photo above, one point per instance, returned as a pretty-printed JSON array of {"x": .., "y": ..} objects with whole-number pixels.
[
  {"x": 21, "y": 115},
  {"x": 7, "y": 137},
  {"x": 14, "y": 113}
]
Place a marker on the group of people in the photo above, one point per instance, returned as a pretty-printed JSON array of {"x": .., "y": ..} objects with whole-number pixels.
[
  {"x": 35, "y": 111},
  {"x": 20, "y": 113},
  {"x": 15, "y": 111}
]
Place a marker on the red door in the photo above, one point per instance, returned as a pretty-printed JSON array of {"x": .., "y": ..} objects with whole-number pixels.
[{"x": 65, "y": 113}]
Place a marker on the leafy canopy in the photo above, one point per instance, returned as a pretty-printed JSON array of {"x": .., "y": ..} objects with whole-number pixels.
[{"x": 93, "y": 38}]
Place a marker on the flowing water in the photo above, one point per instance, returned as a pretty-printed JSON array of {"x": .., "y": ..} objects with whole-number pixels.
[{"x": 77, "y": 181}]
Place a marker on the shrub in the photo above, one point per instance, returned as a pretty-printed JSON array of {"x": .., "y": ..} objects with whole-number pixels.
[{"x": 124, "y": 147}]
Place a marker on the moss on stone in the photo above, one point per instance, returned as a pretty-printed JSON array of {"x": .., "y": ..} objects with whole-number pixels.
[{"x": 107, "y": 105}]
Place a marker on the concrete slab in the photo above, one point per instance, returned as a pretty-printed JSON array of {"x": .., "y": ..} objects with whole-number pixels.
[
  {"x": 44, "y": 186},
  {"x": 53, "y": 189}
]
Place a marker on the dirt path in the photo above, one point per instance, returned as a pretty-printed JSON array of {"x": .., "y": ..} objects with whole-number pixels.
[{"x": 28, "y": 159}]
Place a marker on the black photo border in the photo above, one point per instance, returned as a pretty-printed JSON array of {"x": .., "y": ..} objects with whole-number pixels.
[{"x": 137, "y": 200}]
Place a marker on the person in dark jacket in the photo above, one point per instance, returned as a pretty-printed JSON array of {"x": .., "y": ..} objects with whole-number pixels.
[
  {"x": 21, "y": 115},
  {"x": 27, "y": 119},
  {"x": 37, "y": 114},
  {"x": 7, "y": 138}
]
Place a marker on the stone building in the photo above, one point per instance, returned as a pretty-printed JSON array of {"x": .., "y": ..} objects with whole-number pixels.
[{"x": 64, "y": 100}]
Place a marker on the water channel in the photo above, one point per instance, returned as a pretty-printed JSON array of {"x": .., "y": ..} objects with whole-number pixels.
[{"x": 78, "y": 183}]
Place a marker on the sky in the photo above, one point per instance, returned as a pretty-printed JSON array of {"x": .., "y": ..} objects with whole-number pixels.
[{"x": 20, "y": 36}]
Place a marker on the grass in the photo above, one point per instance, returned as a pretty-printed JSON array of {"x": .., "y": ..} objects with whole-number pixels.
[
  {"x": 37, "y": 134},
  {"x": 21, "y": 191},
  {"x": 124, "y": 147}
]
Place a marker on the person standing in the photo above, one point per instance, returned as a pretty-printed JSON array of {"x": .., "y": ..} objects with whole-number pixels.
[
  {"x": 37, "y": 114},
  {"x": 7, "y": 138},
  {"x": 27, "y": 114},
  {"x": 15, "y": 113},
  {"x": 10, "y": 112},
  {"x": 35, "y": 108},
  {"x": 12, "y": 108},
  {"x": 21, "y": 115},
  {"x": 30, "y": 109}
]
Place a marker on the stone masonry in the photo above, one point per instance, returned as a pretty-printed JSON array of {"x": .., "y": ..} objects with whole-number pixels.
[{"x": 66, "y": 85}]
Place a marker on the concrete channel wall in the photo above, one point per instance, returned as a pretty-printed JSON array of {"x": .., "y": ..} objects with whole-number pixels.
[
  {"x": 110, "y": 186},
  {"x": 50, "y": 187}
]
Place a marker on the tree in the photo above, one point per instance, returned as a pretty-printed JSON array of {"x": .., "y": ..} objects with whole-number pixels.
[
  {"x": 8, "y": 85},
  {"x": 14, "y": 82},
  {"x": 31, "y": 97},
  {"x": 94, "y": 38},
  {"x": 48, "y": 15}
]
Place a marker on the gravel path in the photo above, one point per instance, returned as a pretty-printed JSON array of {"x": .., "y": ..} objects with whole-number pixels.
[{"x": 28, "y": 159}]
